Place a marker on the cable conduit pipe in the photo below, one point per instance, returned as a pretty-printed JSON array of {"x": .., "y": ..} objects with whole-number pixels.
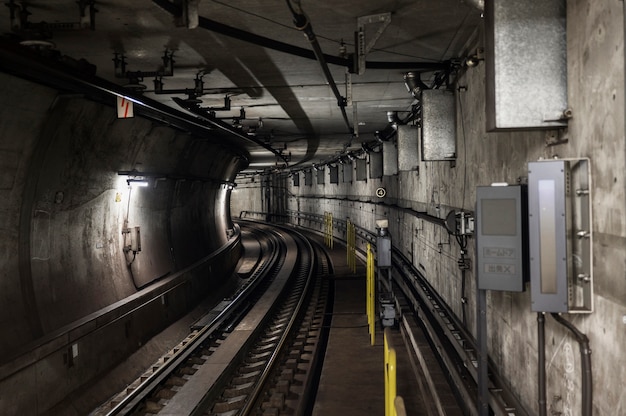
[
  {"x": 302, "y": 23},
  {"x": 266, "y": 42},
  {"x": 541, "y": 365},
  {"x": 585, "y": 360}
]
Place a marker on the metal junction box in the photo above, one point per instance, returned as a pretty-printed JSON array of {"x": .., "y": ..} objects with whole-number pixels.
[
  {"x": 296, "y": 179},
  {"x": 390, "y": 159},
  {"x": 526, "y": 65},
  {"x": 376, "y": 165},
  {"x": 347, "y": 172},
  {"x": 408, "y": 148},
  {"x": 560, "y": 235},
  {"x": 502, "y": 237},
  {"x": 361, "y": 169},
  {"x": 333, "y": 173},
  {"x": 320, "y": 176},
  {"x": 438, "y": 125},
  {"x": 308, "y": 178}
]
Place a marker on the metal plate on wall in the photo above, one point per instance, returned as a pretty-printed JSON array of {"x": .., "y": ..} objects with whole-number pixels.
[
  {"x": 376, "y": 165},
  {"x": 390, "y": 159},
  {"x": 296, "y": 179},
  {"x": 361, "y": 169},
  {"x": 526, "y": 63},
  {"x": 308, "y": 178},
  {"x": 438, "y": 125},
  {"x": 408, "y": 148}
]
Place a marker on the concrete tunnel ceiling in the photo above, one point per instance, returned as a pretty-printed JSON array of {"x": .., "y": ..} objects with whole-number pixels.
[{"x": 245, "y": 66}]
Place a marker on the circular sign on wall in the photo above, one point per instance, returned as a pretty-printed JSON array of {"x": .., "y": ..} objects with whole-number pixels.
[{"x": 381, "y": 192}]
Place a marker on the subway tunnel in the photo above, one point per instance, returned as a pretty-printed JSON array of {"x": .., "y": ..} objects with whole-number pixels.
[{"x": 134, "y": 137}]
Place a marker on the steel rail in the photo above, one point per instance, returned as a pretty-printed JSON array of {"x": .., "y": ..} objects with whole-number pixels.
[
  {"x": 272, "y": 362},
  {"x": 130, "y": 402}
]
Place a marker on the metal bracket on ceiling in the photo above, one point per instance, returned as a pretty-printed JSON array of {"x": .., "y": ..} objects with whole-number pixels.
[
  {"x": 19, "y": 12},
  {"x": 136, "y": 77},
  {"x": 362, "y": 49}
]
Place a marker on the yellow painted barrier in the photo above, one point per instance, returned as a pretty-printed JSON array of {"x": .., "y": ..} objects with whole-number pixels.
[
  {"x": 370, "y": 295},
  {"x": 351, "y": 245},
  {"x": 394, "y": 405},
  {"x": 390, "y": 375},
  {"x": 328, "y": 229}
]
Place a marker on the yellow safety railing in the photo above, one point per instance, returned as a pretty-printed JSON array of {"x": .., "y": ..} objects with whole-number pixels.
[
  {"x": 394, "y": 405},
  {"x": 328, "y": 229},
  {"x": 351, "y": 245},
  {"x": 370, "y": 294}
]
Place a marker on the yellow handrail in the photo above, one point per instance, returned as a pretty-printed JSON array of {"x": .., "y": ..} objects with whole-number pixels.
[
  {"x": 370, "y": 295},
  {"x": 394, "y": 405}
]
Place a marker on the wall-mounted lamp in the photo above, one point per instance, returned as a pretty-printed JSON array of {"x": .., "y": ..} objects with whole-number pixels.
[
  {"x": 392, "y": 117},
  {"x": 473, "y": 60},
  {"x": 414, "y": 84}
]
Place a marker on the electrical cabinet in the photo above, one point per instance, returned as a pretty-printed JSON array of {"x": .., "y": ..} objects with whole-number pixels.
[
  {"x": 390, "y": 159},
  {"x": 501, "y": 237},
  {"x": 560, "y": 233}
]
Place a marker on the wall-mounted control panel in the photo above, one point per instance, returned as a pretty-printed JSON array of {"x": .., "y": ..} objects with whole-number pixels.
[
  {"x": 383, "y": 244},
  {"x": 501, "y": 237},
  {"x": 560, "y": 233}
]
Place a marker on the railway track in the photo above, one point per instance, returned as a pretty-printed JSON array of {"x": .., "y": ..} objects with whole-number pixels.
[{"x": 256, "y": 350}]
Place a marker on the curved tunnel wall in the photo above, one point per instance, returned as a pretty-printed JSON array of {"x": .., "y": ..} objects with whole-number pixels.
[
  {"x": 64, "y": 207},
  {"x": 596, "y": 96}
]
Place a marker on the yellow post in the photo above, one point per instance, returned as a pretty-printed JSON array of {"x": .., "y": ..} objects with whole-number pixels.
[
  {"x": 390, "y": 376},
  {"x": 370, "y": 293},
  {"x": 328, "y": 229},
  {"x": 352, "y": 252},
  {"x": 348, "y": 242}
]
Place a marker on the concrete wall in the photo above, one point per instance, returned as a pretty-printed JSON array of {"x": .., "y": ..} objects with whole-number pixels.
[
  {"x": 596, "y": 96},
  {"x": 63, "y": 209}
]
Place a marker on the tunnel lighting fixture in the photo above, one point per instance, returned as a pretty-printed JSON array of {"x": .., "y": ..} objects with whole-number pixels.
[
  {"x": 414, "y": 84},
  {"x": 137, "y": 182}
]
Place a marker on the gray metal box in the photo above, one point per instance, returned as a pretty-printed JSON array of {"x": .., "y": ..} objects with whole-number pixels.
[
  {"x": 296, "y": 179},
  {"x": 548, "y": 236},
  {"x": 347, "y": 173},
  {"x": 526, "y": 65},
  {"x": 320, "y": 176},
  {"x": 438, "y": 125},
  {"x": 383, "y": 251},
  {"x": 376, "y": 165},
  {"x": 501, "y": 237},
  {"x": 390, "y": 159},
  {"x": 559, "y": 208},
  {"x": 361, "y": 169},
  {"x": 408, "y": 148},
  {"x": 308, "y": 178},
  {"x": 333, "y": 172}
]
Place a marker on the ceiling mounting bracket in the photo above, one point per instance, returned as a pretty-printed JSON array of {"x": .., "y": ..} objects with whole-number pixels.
[{"x": 362, "y": 49}]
